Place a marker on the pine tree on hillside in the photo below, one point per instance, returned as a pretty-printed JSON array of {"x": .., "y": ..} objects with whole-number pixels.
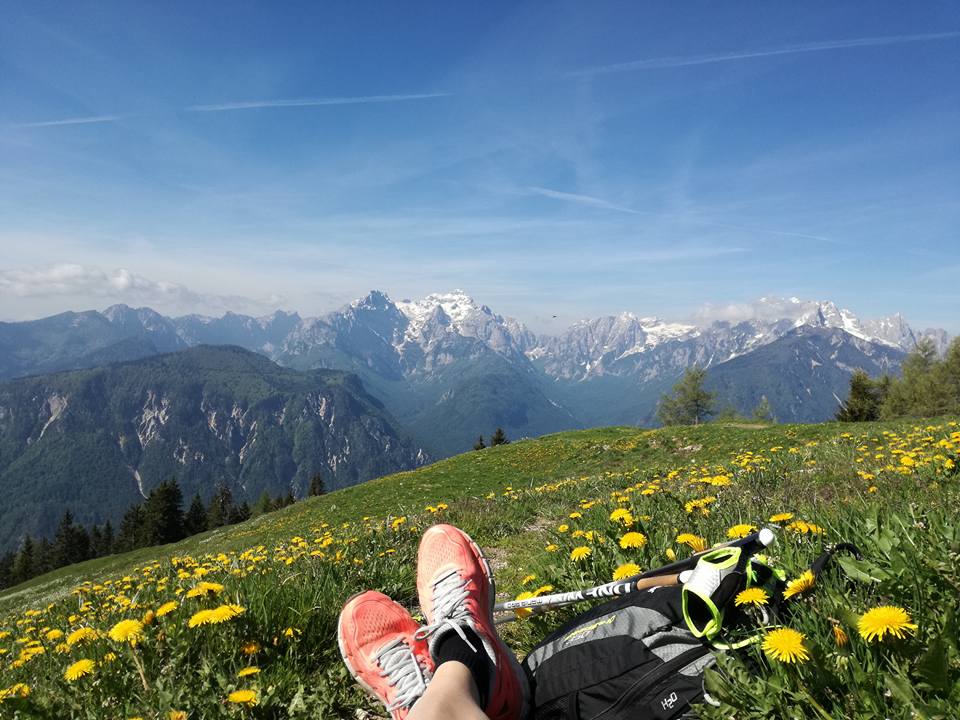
[
  {"x": 317, "y": 487},
  {"x": 195, "y": 521},
  {"x": 132, "y": 533},
  {"x": 241, "y": 513},
  {"x": 479, "y": 444},
  {"x": 107, "y": 541},
  {"x": 71, "y": 543},
  {"x": 23, "y": 564},
  {"x": 264, "y": 504},
  {"x": 44, "y": 557},
  {"x": 163, "y": 514},
  {"x": 689, "y": 403},
  {"x": 222, "y": 508},
  {"x": 498, "y": 438},
  {"x": 6, "y": 569},
  {"x": 863, "y": 401},
  {"x": 916, "y": 393}
]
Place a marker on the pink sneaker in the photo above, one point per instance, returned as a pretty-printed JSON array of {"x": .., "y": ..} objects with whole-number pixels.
[
  {"x": 457, "y": 591},
  {"x": 377, "y": 643}
]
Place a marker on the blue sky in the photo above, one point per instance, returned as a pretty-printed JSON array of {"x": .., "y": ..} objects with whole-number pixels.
[{"x": 568, "y": 159}]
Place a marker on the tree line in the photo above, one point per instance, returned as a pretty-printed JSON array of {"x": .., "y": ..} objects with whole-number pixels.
[
  {"x": 158, "y": 520},
  {"x": 928, "y": 386},
  {"x": 499, "y": 437}
]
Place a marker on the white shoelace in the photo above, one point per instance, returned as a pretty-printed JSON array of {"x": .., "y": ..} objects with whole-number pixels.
[
  {"x": 399, "y": 665},
  {"x": 449, "y": 609}
]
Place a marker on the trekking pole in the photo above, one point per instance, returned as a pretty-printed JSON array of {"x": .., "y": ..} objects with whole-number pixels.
[{"x": 672, "y": 574}]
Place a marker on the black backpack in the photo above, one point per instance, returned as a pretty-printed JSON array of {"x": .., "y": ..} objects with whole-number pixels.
[
  {"x": 632, "y": 657},
  {"x": 642, "y": 656}
]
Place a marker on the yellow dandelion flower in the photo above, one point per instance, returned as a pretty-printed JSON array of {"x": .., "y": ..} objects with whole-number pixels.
[
  {"x": 243, "y": 697},
  {"x": 781, "y": 517},
  {"x": 622, "y": 516},
  {"x": 177, "y": 715},
  {"x": 17, "y": 690},
  {"x": 802, "y": 584},
  {"x": 785, "y": 645},
  {"x": 885, "y": 620},
  {"x": 626, "y": 570},
  {"x": 250, "y": 648},
  {"x": 552, "y": 547},
  {"x": 109, "y": 657},
  {"x": 252, "y": 670},
  {"x": 580, "y": 553},
  {"x": 840, "y": 636},
  {"x": 129, "y": 631},
  {"x": 528, "y": 579},
  {"x": 204, "y": 588},
  {"x": 694, "y": 542},
  {"x": 523, "y": 612},
  {"x": 80, "y": 635},
  {"x": 79, "y": 669},
  {"x": 633, "y": 540},
  {"x": 574, "y": 515},
  {"x": 543, "y": 590},
  {"x": 751, "y": 596},
  {"x": 740, "y": 531},
  {"x": 167, "y": 608},
  {"x": 53, "y": 635}
]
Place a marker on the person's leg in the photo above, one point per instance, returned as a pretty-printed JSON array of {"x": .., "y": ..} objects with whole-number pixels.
[{"x": 451, "y": 695}]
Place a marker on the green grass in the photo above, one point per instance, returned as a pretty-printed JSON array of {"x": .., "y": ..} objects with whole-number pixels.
[{"x": 513, "y": 499}]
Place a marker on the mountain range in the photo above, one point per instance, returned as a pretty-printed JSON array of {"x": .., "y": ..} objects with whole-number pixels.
[{"x": 96, "y": 408}]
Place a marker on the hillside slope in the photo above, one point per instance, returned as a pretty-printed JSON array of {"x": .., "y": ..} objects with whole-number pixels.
[
  {"x": 96, "y": 441},
  {"x": 891, "y": 487}
]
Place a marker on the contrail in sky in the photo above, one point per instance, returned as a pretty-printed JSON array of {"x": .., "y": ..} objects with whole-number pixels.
[
  {"x": 72, "y": 121},
  {"x": 688, "y": 60},
  {"x": 312, "y": 102}
]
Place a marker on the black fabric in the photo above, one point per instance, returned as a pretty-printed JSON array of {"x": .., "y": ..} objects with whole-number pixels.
[
  {"x": 635, "y": 674},
  {"x": 451, "y": 647}
]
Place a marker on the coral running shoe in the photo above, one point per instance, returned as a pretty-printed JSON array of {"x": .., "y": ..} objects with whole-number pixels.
[
  {"x": 457, "y": 591},
  {"x": 377, "y": 643}
]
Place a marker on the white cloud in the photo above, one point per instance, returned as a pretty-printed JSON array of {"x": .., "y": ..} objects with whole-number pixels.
[
  {"x": 765, "y": 308},
  {"x": 86, "y": 283},
  {"x": 688, "y": 60}
]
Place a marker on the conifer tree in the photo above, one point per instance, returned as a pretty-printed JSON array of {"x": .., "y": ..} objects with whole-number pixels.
[
  {"x": 241, "y": 513},
  {"x": 6, "y": 569},
  {"x": 479, "y": 444},
  {"x": 222, "y": 508},
  {"x": 863, "y": 401},
  {"x": 23, "y": 564},
  {"x": 317, "y": 487},
  {"x": 690, "y": 403},
  {"x": 107, "y": 540},
  {"x": 132, "y": 529},
  {"x": 264, "y": 504},
  {"x": 71, "y": 544},
  {"x": 195, "y": 520},
  {"x": 499, "y": 438},
  {"x": 44, "y": 559},
  {"x": 163, "y": 514}
]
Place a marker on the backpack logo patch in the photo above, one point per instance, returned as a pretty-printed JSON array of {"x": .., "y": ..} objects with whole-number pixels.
[{"x": 669, "y": 701}]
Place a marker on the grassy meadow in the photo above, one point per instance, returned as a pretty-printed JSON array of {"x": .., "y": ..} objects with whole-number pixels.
[{"x": 241, "y": 622}]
